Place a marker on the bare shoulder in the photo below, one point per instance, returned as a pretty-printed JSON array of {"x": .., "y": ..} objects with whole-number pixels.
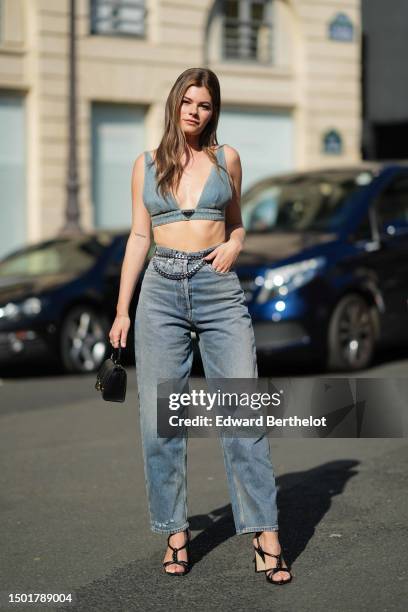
[
  {"x": 230, "y": 152},
  {"x": 232, "y": 158},
  {"x": 138, "y": 164}
]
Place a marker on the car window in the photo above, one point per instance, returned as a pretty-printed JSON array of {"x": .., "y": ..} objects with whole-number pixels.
[
  {"x": 53, "y": 257},
  {"x": 264, "y": 213},
  {"x": 392, "y": 206},
  {"x": 318, "y": 202}
]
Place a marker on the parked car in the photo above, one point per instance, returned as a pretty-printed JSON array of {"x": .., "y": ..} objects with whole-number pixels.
[
  {"x": 324, "y": 270},
  {"x": 58, "y": 298},
  {"x": 325, "y": 262}
]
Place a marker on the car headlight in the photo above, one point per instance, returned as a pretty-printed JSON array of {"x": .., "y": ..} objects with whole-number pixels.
[
  {"x": 279, "y": 281},
  {"x": 29, "y": 307}
]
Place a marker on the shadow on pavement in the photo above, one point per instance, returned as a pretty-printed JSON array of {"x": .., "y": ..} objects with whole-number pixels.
[{"x": 303, "y": 500}]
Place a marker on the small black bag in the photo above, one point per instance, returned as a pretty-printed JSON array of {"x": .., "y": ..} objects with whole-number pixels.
[{"x": 111, "y": 379}]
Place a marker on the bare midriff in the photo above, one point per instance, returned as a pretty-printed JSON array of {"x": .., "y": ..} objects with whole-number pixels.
[{"x": 190, "y": 235}]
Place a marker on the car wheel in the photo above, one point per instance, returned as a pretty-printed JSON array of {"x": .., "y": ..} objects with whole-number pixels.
[
  {"x": 351, "y": 334},
  {"x": 83, "y": 339}
]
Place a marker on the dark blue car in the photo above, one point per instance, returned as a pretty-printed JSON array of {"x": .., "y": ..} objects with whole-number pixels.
[
  {"x": 58, "y": 298},
  {"x": 325, "y": 262}
]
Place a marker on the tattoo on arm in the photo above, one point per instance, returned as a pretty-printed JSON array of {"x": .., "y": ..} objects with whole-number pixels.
[{"x": 142, "y": 235}]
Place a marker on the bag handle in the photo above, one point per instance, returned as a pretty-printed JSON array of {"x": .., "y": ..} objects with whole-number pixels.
[{"x": 118, "y": 358}]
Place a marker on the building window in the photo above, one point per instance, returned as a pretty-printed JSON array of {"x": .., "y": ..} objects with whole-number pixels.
[
  {"x": 118, "y": 17},
  {"x": 247, "y": 30}
]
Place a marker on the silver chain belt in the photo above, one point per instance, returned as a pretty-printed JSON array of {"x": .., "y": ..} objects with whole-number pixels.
[{"x": 179, "y": 275}]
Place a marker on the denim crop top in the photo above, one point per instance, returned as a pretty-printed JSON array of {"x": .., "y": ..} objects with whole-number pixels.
[{"x": 213, "y": 200}]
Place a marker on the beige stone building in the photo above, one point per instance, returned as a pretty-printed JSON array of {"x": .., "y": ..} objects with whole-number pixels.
[{"x": 290, "y": 83}]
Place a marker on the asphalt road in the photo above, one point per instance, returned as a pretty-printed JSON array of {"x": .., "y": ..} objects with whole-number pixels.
[{"x": 74, "y": 515}]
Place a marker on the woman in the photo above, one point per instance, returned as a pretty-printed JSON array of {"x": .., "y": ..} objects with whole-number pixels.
[{"x": 189, "y": 190}]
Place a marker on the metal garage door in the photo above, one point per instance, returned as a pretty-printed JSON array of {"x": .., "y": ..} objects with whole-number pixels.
[
  {"x": 264, "y": 140},
  {"x": 12, "y": 174},
  {"x": 117, "y": 139}
]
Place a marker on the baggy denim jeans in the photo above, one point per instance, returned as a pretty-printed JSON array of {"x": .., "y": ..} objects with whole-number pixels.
[{"x": 213, "y": 304}]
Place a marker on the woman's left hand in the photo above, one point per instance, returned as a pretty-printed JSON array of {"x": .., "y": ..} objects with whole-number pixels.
[{"x": 223, "y": 256}]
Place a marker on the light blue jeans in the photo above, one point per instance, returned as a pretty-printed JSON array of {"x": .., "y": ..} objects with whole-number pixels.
[{"x": 213, "y": 304}]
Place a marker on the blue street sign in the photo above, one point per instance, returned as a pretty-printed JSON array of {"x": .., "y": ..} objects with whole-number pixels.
[
  {"x": 341, "y": 28},
  {"x": 332, "y": 143}
]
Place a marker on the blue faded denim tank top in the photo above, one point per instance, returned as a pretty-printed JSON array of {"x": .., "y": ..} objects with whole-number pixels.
[{"x": 213, "y": 200}]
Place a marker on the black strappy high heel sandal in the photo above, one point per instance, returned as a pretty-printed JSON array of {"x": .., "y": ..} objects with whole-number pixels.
[
  {"x": 260, "y": 565},
  {"x": 185, "y": 564}
]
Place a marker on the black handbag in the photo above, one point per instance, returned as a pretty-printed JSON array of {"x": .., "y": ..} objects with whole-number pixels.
[{"x": 111, "y": 379}]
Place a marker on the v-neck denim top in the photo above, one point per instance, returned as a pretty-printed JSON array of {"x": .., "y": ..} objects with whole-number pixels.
[{"x": 214, "y": 197}]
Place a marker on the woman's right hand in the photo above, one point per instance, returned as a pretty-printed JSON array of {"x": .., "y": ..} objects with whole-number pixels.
[{"x": 119, "y": 331}]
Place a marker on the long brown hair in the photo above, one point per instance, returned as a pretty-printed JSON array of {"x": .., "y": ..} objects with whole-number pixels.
[{"x": 169, "y": 169}]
